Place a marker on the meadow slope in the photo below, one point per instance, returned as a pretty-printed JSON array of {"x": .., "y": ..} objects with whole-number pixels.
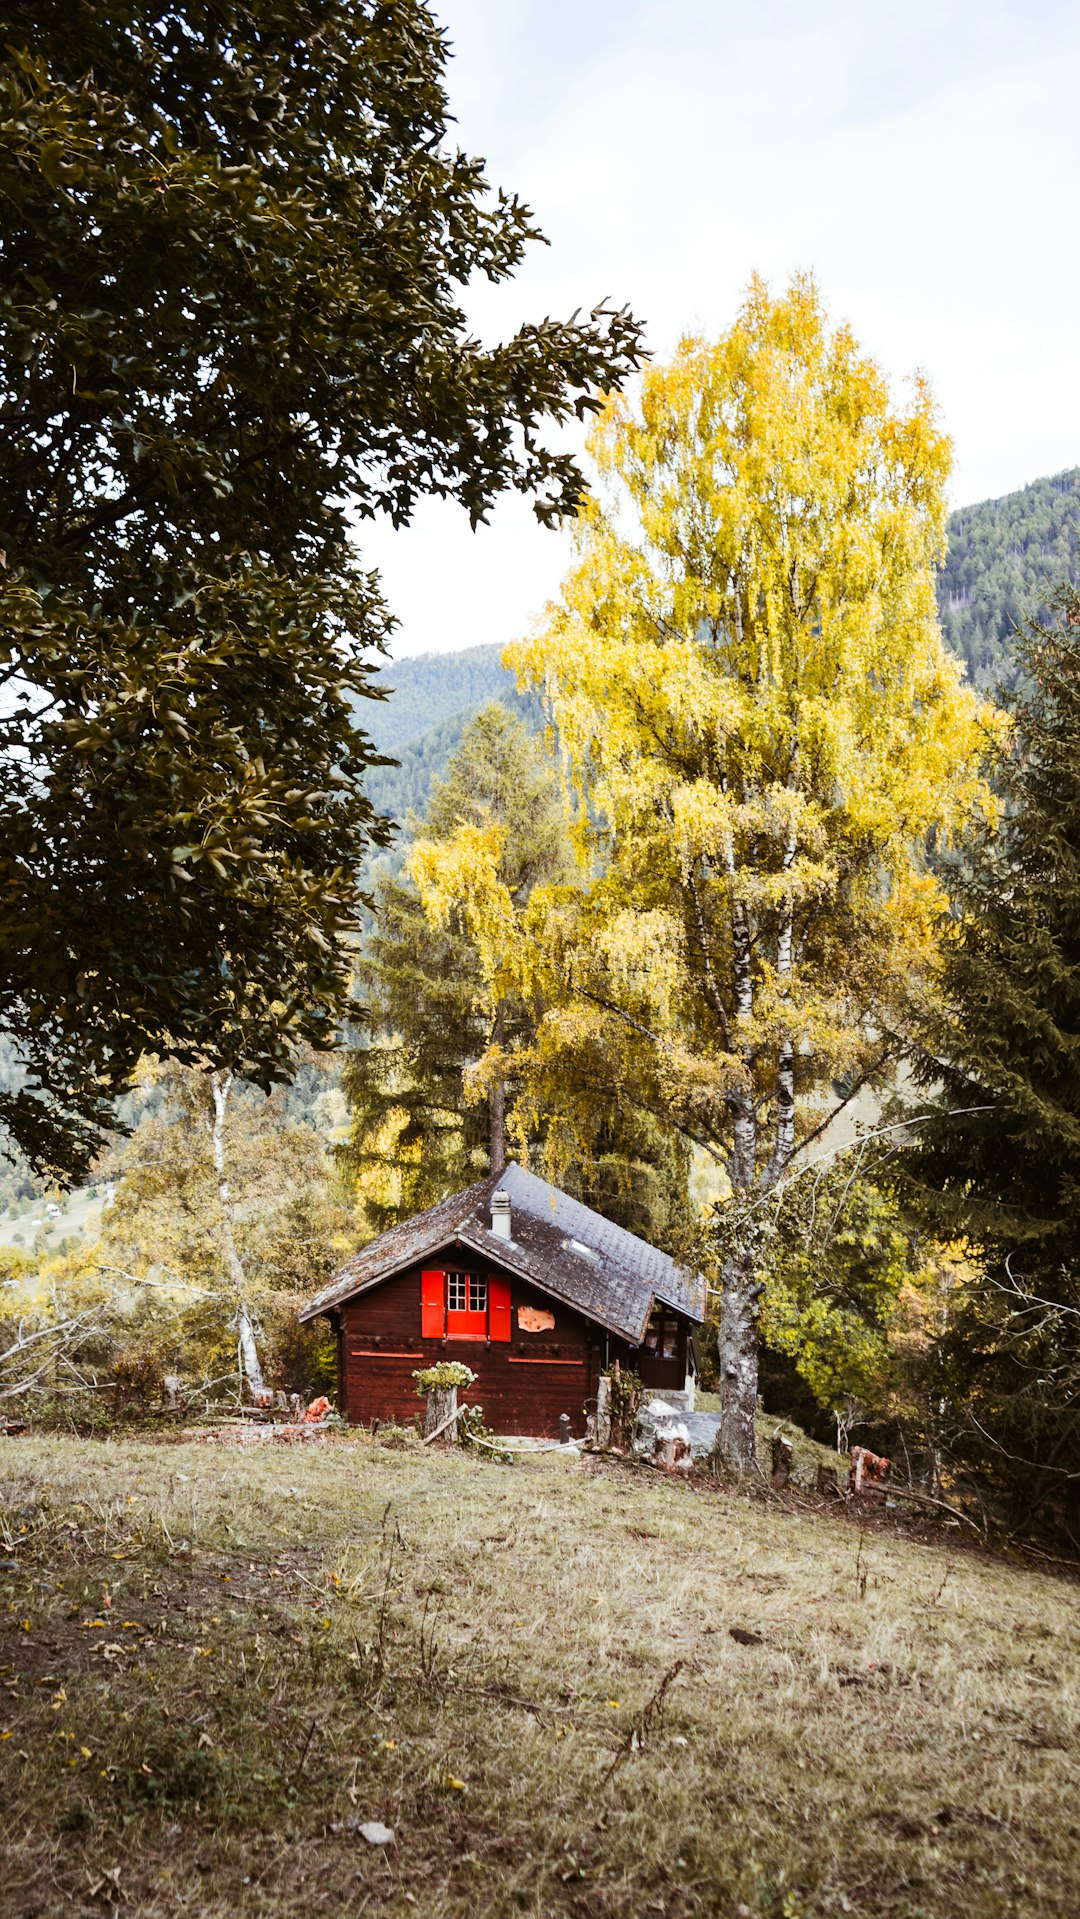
[{"x": 218, "y": 1664}]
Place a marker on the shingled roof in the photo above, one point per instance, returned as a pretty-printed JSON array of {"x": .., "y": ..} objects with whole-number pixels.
[{"x": 562, "y": 1246}]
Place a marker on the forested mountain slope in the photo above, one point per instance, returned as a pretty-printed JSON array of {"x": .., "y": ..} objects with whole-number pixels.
[
  {"x": 431, "y": 687},
  {"x": 432, "y": 699},
  {"x": 1005, "y": 556}
]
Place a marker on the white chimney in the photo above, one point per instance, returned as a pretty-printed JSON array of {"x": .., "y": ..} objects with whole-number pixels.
[{"x": 500, "y": 1214}]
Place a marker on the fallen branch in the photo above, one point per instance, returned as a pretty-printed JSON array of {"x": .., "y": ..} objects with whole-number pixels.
[
  {"x": 924, "y": 1499},
  {"x": 653, "y": 1709}
]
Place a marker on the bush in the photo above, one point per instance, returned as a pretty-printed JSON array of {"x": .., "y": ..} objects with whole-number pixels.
[
  {"x": 138, "y": 1377},
  {"x": 440, "y": 1377}
]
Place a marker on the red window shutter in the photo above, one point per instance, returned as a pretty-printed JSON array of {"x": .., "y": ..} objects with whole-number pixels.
[
  {"x": 498, "y": 1308},
  {"x": 432, "y": 1305}
]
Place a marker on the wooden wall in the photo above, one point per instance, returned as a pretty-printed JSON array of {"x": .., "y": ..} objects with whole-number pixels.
[{"x": 523, "y": 1384}]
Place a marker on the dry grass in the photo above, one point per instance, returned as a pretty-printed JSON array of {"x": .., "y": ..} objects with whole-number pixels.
[{"x": 217, "y": 1664}]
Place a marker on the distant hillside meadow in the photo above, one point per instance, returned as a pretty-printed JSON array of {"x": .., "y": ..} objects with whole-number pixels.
[{"x": 1005, "y": 558}]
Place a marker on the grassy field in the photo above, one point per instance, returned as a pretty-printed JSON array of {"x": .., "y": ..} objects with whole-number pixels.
[{"x": 568, "y": 1686}]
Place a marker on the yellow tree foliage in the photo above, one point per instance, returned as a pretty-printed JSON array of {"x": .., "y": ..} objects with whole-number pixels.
[{"x": 763, "y": 729}]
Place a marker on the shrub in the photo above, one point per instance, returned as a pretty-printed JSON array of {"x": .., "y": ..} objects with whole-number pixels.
[{"x": 440, "y": 1377}]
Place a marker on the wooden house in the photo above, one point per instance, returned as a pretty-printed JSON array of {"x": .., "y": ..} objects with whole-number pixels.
[{"x": 534, "y": 1291}]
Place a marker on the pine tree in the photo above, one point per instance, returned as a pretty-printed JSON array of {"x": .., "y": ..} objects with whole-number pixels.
[
  {"x": 999, "y": 1166},
  {"x": 426, "y": 1013}
]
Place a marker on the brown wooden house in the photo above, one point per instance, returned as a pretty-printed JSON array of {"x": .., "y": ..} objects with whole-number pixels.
[{"x": 534, "y": 1291}]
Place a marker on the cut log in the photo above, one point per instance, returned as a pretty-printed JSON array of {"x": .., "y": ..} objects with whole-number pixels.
[
  {"x": 783, "y": 1459},
  {"x": 440, "y": 1412},
  {"x": 867, "y": 1473}
]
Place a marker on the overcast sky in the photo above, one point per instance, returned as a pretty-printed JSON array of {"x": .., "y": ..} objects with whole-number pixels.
[{"x": 921, "y": 159}]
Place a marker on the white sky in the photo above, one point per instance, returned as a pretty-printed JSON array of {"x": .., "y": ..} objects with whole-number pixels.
[{"x": 921, "y": 159}]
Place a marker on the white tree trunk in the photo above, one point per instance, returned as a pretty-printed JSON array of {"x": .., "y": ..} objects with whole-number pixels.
[
  {"x": 497, "y": 1098},
  {"x": 247, "y": 1350},
  {"x": 738, "y": 1357},
  {"x": 784, "y": 1151}
]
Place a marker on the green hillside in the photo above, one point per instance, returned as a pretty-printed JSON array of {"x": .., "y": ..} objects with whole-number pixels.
[
  {"x": 1005, "y": 556},
  {"x": 433, "y": 696},
  {"x": 429, "y": 688}
]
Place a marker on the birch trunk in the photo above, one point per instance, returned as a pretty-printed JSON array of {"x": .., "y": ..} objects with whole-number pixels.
[
  {"x": 738, "y": 1356},
  {"x": 247, "y": 1350},
  {"x": 784, "y": 1151}
]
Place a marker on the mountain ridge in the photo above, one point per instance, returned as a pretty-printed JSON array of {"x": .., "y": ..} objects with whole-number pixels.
[{"x": 1005, "y": 557}]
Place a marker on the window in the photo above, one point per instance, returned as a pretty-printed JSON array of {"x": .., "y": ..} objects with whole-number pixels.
[
  {"x": 662, "y": 1337},
  {"x": 466, "y": 1306},
  {"x": 462, "y": 1305}
]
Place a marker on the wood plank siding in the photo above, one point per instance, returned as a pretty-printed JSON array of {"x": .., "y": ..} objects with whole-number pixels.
[{"x": 523, "y": 1383}]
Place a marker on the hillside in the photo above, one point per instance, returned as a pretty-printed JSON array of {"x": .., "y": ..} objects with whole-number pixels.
[
  {"x": 567, "y": 1688},
  {"x": 432, "y": 698},
  {"x": 1004, "y": 557},
  {"x": 427, "y": 689}
]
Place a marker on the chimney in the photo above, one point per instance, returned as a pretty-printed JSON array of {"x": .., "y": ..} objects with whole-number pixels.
[{"x": 500, "y": 1214}]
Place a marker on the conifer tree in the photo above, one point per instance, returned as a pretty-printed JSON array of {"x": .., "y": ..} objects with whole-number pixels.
[
  {"x": 426, "y": 1013},
  {"x": 438, "y": 1089},
  {"x": 999, "y": 1166}
]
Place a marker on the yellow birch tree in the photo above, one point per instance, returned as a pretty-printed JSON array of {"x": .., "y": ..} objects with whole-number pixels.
[{"x": 763, "y": 728}]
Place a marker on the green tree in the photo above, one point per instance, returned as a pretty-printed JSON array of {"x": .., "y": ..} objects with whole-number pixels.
[
  {"x": 228, "y": 1214},
  {"x": 421, "y": 1125},
  {"x": 834, "y": 1263},
  {"x": 998, "y": 1168},
  {"x": 233, "y": 239},
  {"x": 762, "y": 728}
]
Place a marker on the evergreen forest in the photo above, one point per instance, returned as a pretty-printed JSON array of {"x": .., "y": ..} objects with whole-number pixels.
[{"x": 1005, "y": 559}]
